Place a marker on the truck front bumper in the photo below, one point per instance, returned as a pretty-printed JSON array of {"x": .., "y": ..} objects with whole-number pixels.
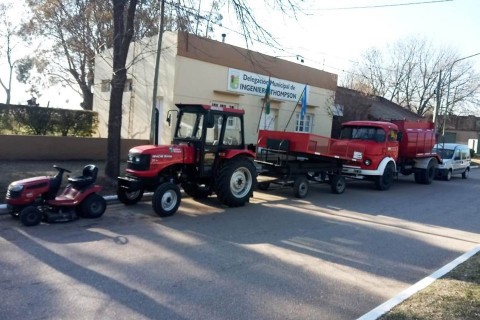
[{"x": 130, "y": 183}]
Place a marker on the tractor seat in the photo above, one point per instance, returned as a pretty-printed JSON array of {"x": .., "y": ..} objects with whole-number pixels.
[{"x": 88, "y": 177}]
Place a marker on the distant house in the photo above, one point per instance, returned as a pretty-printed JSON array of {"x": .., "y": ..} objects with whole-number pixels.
[{"x": 354, "y": 105}]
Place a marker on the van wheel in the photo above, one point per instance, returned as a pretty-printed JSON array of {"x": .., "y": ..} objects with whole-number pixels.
[
  {"x": 465, "y": 173},
  {"x": 448, "y": 176}
]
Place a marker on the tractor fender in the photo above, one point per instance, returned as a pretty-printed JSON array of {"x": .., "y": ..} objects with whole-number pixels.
[
  {"x": 422, "y": 163},
  {"x": 232, "y": 153}
]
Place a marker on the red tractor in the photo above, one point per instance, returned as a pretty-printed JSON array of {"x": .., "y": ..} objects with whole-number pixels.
[
  {"x": 208, "y": 155},
  {"x": 34, "y": 199}
]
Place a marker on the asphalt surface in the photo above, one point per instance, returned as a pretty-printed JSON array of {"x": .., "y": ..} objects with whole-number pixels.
[{"x": 323, "y": 257}]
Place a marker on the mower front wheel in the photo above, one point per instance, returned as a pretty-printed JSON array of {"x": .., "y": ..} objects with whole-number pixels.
[
  {"x": 93, "y": 206},
  {"x": 30, "y": 216}
]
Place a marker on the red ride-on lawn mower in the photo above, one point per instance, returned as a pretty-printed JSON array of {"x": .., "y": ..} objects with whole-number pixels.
[{"x": 34, "y": 199}]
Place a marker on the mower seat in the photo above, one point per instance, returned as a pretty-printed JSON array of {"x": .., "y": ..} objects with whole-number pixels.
[{"x": 88, "y": 177}]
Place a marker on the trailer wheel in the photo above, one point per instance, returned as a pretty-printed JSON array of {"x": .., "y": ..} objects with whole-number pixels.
[
  {"x": 263, "y": 186},
  {"x": 235, "y": 182},
  {"x": 465, "y": 173},
  {"x": 300, "y": 187},
  {"x": 30, "y": 216},
  {"x": 337, "y": 184},
  {"x": 93, "y": 207},
  {"x": 129, "y": 197},
  {"x": 385, "y": 181},
  {"x": 166, "y": 199},
  {"x": 194, "y": 191}
]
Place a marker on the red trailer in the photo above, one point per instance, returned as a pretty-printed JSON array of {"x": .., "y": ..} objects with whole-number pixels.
[{"x": 294, "y": 159}]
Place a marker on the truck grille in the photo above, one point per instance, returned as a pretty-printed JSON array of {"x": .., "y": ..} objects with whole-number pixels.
[{"x": 138, "y": 162}]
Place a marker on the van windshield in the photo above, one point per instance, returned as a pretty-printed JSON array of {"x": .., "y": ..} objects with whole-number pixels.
[{"x": 443, "y": 153}]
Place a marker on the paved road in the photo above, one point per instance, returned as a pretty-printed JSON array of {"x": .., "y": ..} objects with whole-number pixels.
[{"x": 324, "y": 257}]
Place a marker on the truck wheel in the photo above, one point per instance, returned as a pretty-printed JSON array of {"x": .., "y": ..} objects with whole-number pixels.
[
  {"x": 465, "y": 173},
  {"x": 385, "y": 181},
  {"x": 166, "y": 199},
  {"x": 337, "y": 184},
  {"x": 300, "y": 187},
  {"x": 235, "y": 182},
  {"x": 426, "y": 176},
  {"x": 129, "y": 197},
  {"x": 448, "y": 176},
  {"x": 30, "y": 216},
  {"x": 92, "y": 207},
  {"x": 194, "y": 191}
]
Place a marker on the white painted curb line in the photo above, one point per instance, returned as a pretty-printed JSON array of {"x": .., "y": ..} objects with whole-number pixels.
[{"x": 422, "y": 284}]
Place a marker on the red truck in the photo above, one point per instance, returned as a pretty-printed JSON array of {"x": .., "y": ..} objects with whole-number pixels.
[{"x": 380, "y": 150}]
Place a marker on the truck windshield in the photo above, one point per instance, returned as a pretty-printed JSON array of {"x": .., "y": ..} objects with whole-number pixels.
[
  {"x": 190, "y": 125},
  {"x": 363, "y": 133}
]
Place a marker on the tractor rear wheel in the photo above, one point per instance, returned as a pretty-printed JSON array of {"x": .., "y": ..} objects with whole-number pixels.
[
  {"x": 235, "y": 182},
  {"x": 30, "y": 216},
  {"x": 166, "y": 199}
]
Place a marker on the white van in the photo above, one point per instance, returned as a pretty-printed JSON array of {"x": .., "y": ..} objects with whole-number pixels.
[{"x": 455, "y": 160}]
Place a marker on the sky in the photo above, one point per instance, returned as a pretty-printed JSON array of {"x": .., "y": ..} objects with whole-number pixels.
[{"x": 332, "y": 34}]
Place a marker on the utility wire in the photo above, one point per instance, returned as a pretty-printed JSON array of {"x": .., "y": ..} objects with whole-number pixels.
[{"x": 377, "y": 6}]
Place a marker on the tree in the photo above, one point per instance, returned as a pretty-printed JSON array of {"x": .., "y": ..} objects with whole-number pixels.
[
  {"x": 124, "y": 21},
  {"x": 78, "y": 30},
  {"x": 409, "y": 72},
  {"x": 8, "y": 45}
]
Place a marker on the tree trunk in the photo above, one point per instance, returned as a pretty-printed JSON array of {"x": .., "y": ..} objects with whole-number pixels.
[
  {"x": 123, "y": 33},
  {"x": 87, "y": 103}
]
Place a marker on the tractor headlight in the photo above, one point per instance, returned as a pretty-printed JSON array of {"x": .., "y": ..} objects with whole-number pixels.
[{"x": 367, "y": 162}]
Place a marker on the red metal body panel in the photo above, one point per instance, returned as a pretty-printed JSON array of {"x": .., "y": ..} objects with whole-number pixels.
[
  {"x": 33, "y": 188},
  {"x": 229, "y": 154},
  {"x": 418, "y": 138},
  {"x": 306, "y": 143},
  {"x": 72, "y": 197}
]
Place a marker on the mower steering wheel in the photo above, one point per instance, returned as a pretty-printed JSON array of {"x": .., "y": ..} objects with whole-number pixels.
[{"x": 61, "y": 169}]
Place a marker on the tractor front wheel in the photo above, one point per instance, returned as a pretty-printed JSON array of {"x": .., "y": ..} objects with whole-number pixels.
[
  {"x": 166, "y": 199},
  {"x": 129, "y": 197},
  {"x": 235, "y": 182}
]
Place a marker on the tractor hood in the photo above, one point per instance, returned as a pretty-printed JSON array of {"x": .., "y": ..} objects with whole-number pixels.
[{"x": 155, "y": 158}]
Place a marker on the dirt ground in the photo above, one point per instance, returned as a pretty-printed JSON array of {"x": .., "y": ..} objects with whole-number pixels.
[{"x": 17, "y": 170}]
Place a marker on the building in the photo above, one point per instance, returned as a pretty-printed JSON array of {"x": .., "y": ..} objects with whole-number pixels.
[
  {"x": 204, "y": 71},
  {"x": 354, "y": 105}
]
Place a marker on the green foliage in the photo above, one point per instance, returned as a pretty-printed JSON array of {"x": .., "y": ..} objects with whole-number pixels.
[
  {"x": 47, "y": 121},
  {"x": 472, "y": 153}
]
